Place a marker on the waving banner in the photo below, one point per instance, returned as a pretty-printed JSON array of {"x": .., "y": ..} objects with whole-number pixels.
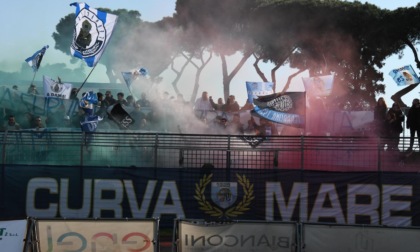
[
  {"x": 54, "y": 88},
  {"x": 255, "y": 89},
  {"x": 120, "y": 115},
  {"x": 404, "y": 76},
  {"x": 35, "y": 60},
  {"x": 288, "y": 108},
  {"x": 92, "y": 32},
  {"x": 319, "y": 85}
]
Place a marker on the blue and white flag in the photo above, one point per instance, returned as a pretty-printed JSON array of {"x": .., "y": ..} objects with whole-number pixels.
[
  {"x": 288, "y": 108},
  {"x": 318, "y": 86},
  {"x": 404, "y": 76},
  {"x": 255, "y": 89},
  {"x": 128, "y": 78},
  {"x": 92, "y": 32},
  {"x": 90, "y": 123},
  {"x": 35, "y": 60},
  {"x": 131, "y": 76}
]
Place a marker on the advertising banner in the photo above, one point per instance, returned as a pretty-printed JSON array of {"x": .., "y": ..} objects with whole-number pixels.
[
  {"x": 97, "y": 235},
  {"x": 12, "y": 235},
  {"x": 325, "y": 238},
  {"x": 257, "y": 237}
]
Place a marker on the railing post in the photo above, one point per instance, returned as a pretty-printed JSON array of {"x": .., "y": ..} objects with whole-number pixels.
[
  {"x": 379, "y": 154},
  {"x": 302, "y": 152},
  {"x": 156, "y": 150},
  {"x": 3, "y": 175},
  {"x": 3, "y": 153},
  {"x": 81, "y": 147},
  {"x": 228, "y": 156}
]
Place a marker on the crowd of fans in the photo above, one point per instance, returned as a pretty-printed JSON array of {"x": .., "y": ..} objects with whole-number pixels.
[
  {"x": 162, "y": 114},
  {"x": 174, "y": 114},
  {"x": 389, "y": 123}
]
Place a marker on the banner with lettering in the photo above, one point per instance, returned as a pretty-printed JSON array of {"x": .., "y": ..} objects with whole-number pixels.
[
  {"x": 404, "y": 76},
  {"x": 391, "y": 199},
  {"x": 20, "y": 103},
  {"x": 89, "y": 235},
  {"x": 12, "y": 235},
  {"x": 53, "y": 88},
  {"x": 287, "y": 108}
]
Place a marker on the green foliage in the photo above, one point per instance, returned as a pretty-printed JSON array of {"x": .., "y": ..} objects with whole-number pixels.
[{"x": 349, "y": 39}]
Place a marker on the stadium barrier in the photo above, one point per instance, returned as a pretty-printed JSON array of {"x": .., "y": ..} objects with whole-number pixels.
[
  {"x": 160, "y": 150},
  {"x": 201, "y": 235}
]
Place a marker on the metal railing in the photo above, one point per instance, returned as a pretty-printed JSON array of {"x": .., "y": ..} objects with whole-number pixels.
[{"x": 162, "y": 150}]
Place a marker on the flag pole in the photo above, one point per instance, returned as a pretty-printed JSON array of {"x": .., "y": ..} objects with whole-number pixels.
[
  {"x": 85, "y": 80},
  {"x": 33, "y": 78}
]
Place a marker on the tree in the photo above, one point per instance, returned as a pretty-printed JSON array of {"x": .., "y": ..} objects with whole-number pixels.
[
  {"x": 219, "y": 25},
  {"x": 324, "y": 38}
]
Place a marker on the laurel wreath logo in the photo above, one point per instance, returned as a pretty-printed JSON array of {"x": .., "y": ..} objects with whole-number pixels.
[{"x": 215, "y": 211}]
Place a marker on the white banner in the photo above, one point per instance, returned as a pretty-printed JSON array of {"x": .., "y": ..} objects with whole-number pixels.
[
  {"x": 12, "y": 235},
  {"x": 97, "y": 235},
  {"x": 319, "y": 85},
  {"x": 237, "y": 237},
  {"x": 325, "y": 238},
  {"x": 53, "y": 88},
  {"x": 20, "y": 102}
]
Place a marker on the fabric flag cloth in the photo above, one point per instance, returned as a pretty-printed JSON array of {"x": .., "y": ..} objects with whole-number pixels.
[
  {"x": 35, "y": 60},
  {"x": 90, "y": 121},
  {"x": 88, "y": 100},
  {"x": 120, "y": 116},
  {"x": 143, "y": 72},
  {"x": 54, "y": 88},
  {"x": 92, "y": 32},
  {"x": 288, "y": 108},
  {"x": 318, "y": 86},
  {"x": 131, "y": 76},
  {"x": 255, "y": 89},
  {"x": 404, "y": 76},
  {"x": 128, "y": 78}
]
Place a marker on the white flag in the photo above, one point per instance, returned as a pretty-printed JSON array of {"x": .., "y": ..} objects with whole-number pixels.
[
  {"x": 319, "y": 85},
  {"x": 53, "y": 88},
  {"x": 92, "y": 32}
]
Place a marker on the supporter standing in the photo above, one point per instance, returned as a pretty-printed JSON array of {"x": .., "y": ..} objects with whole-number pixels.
[
  {"x": 379, "y": 119},
  {"x": 143, "y": 101},
  {"x": 202, "y": 105},
  {"x": 413, "y": 123},
  {"x": 109, "y": 100},
  {"x": 121, "y": 100},
  {"x": 32, "y": 90},
  {"x": 395, "y": 119},
  {"x": 230, "y": 106}
]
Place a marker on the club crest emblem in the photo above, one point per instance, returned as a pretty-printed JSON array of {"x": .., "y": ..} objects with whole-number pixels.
[
  {"x": 89, "y": 33},
  {"x": 224, "y": 196},
  {"x": 56, "y": 87}
]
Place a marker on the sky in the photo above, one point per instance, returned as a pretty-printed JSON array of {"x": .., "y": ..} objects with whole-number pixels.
[{"x": 29, "y": 26}]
